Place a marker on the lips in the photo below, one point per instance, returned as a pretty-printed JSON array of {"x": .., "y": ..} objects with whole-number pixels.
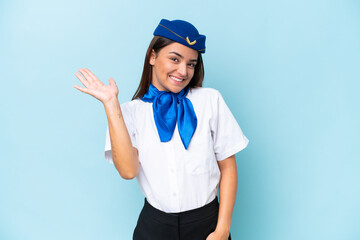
[{"x": 176, "y": 78}]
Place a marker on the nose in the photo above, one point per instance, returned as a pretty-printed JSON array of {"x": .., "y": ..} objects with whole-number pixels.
[{"x": 182, "y": 70}]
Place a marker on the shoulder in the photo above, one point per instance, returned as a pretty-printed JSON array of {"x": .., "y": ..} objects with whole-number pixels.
[
  {"x": 204, "y": 93},
  {"x": 131, "y": 104},
  {"x": 204, "y": 100},
  {"x": 132, "y": 107}
]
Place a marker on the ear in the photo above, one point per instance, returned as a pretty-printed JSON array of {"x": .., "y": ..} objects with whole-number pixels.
[{"x": 152, "y": 57}]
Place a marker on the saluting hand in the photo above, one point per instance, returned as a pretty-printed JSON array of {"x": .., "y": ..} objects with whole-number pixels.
[{"x": 95, "y": 88}]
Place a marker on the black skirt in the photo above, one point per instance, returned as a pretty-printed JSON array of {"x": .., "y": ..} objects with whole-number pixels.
[{"x": 195, "y": 224}]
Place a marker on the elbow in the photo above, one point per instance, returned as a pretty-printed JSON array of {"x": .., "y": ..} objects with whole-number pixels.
[
  {"x": 128, "y": 176},
  {"x": 127, "y": 168}
]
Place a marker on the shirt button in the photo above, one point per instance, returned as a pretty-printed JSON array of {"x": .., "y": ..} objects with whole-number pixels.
[
  {"x": 172, "y": 170},
  {"x": 174, "y": 194}
]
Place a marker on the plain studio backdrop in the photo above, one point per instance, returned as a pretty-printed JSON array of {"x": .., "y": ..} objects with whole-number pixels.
[{"x": 288, "y": 70}]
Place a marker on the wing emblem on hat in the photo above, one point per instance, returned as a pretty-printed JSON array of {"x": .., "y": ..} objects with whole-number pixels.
[{"x": 190, "y": 43}]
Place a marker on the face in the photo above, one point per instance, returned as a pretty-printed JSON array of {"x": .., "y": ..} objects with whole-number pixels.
[{"x": 173, "y": 67}]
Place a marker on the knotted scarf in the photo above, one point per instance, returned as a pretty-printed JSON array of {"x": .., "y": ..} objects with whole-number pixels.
[{"x": 166, "y": 113}]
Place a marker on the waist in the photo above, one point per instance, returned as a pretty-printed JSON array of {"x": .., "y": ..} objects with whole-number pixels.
[{"x": 209, "y": 210}]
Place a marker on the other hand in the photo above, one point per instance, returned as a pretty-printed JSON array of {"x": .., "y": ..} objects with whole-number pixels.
[{"x": 217, "y": 235}]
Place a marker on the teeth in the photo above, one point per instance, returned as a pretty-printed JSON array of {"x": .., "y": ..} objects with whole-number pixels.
[{"x": 176, "y": 79}]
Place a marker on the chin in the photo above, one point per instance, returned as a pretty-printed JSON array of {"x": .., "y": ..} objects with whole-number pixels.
[{"x": 176, "y": 88}]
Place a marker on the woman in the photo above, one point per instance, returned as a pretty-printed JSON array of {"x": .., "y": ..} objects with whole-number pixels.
[{"x": 177, "y": 138}]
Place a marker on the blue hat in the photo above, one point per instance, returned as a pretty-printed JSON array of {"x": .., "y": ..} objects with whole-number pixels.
[{"x": 182, "y": 32}]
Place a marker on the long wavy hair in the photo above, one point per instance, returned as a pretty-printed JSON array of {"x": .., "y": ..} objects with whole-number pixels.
[{"x": 157, "y": 43}]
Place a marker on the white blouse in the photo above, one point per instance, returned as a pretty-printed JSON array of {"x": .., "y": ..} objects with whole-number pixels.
[{"x": 172, "y": 178}]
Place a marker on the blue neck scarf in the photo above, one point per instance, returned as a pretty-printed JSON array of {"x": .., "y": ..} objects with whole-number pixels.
[{"x": 166, "y": 113}]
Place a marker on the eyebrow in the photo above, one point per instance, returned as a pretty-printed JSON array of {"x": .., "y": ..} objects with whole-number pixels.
[{"x": 182, "y": 57}]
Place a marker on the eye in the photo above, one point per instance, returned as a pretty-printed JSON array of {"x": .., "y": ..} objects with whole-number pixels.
[
  {"x": 192, "y": 65},
  {"x": 174, "y": 59}
]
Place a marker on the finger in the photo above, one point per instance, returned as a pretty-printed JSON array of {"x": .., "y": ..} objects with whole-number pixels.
[
  {"x": 112, "y": 82},
  {"x": 86, "y": 75},
  {"x": 82, "y": 79},
  {"x": 85, "y": 90},
  {"x": 91, "y": 74}
]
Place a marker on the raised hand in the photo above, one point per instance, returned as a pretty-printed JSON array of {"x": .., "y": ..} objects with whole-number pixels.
[{"x": 95, "y": 88}]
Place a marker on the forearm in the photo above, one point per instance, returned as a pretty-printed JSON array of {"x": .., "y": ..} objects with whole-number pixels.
[
  {"x": 123, "y": 154},
  {"x": 228, "y": 188}
]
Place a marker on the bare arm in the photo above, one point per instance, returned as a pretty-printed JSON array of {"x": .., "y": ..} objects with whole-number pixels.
[
  {"x": 228, "y": 187},
  {"x": 124, "y": 155}
]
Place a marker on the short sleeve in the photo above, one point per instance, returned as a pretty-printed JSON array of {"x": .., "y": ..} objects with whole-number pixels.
[
  {"x": 130, "y": 125},
  {"x": 227, "y": 135}
]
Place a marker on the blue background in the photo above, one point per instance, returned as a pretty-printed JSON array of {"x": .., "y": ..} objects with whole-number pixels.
[{"x": 288, "y": 70}]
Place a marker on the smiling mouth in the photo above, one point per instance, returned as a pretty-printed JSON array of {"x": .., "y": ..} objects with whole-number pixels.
[{"x": 176, "y": 79}]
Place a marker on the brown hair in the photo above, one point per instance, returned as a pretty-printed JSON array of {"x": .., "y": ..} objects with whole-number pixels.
[{"x": 157, "y": 43}]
